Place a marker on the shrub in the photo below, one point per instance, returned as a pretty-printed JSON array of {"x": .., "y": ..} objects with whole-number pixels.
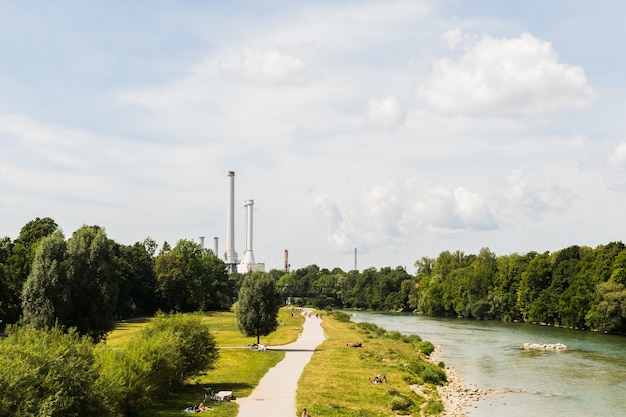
[
  {"x": 433, "y": 408},
  {"x": 48, "y": 372},
  {"x": 426, "y": 348},
  {"x": 194, "y": 342},
  {"x": 426, "y": 371},
  {"x": 434, "y": 374},
  {"x": 401, "y": 403},
  {"x": 371, "y": 328},
  {"x": 155, "y": 362},
  {"x": 341, "y": 316}
]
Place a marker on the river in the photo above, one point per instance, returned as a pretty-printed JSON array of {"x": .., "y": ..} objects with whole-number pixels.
[{"x": 586, "y": 380}]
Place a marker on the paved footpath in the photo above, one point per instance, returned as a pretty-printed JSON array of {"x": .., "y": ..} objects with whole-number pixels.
[{"x": 275, "y": 396}]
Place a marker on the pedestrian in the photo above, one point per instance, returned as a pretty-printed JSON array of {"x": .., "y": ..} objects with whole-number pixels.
[{"x": 305, "y": 414}]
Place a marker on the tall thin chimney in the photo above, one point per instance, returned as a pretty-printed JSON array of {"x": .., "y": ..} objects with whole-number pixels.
[
  {"x": 230, "y": 256},
  {"x": 248, "y": 255},
  {"x": 215, "y": 241}
]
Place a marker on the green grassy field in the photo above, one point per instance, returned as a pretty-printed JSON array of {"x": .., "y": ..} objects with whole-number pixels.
[
  {"x": 335, "y": 382},
  {"x": 237, "y": 369}
]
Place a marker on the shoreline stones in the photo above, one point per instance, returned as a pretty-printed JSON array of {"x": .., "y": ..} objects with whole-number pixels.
[{"x": 456, "y": 397}]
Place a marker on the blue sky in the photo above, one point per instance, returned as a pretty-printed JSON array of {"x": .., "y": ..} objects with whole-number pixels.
[{"x": 400, "y": 128}]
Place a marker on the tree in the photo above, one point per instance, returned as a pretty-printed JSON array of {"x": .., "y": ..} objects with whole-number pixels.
[
  {"x": 257, "y": 308},
  {"x": 45, "y": 290},
  {"x": 16, "y": 259},
  {"x": 73, "y": 284},
  {"x": 190, "y": 278},
  {"x": 136, "y": 280}
]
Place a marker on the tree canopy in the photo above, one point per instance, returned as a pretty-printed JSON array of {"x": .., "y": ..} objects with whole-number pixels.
[{"x": 258, "y": 305}]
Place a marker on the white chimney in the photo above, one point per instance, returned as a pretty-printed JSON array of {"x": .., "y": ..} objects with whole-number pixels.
[
  {"x": 248, "y": 256},
  {"x": 230, "y": 256}
]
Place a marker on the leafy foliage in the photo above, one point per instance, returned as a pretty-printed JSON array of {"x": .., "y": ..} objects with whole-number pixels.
[
  {"x": 73, "y": 284},
  {"x": 155, "y": 362},
  {"x": 48, "y": 373},
  {"x": 190, "y": 278},
  {"x": 258, "y": 305}
]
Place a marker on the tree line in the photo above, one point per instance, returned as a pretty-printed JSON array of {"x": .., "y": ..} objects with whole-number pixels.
[
  {"x": 89, "y": 281},
  {"x": 578, "y": 287}
]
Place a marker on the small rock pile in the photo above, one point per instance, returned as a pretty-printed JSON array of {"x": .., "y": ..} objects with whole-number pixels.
[{"x": 545, "y": 346}]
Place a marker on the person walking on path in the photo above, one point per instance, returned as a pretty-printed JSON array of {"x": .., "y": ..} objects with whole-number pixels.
[{"x": 275, "y": 396}]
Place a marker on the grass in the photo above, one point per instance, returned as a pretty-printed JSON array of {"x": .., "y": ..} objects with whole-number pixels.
[
  {"x": 335, "y": 382},
  {"x": 238, "y": 370}
]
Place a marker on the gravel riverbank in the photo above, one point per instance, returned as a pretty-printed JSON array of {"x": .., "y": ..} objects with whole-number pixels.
[{"x": 456, "y": 396}]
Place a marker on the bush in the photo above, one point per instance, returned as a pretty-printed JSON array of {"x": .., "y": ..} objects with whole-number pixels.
[
  {"x": 194, "y": 342},
  {"x": 401, "y": 403},
  {"x": 48, "y": 372},
  {"x": 155, "y": 362},
  {"x": 433, "y": 374},
  {"x": 433, "y": 408},
  {"x": 425, "y": 371},
  {"x": 372, "y": 328},
  {"x": 426, "y": 348},
  {"x": 342, "y": 317}
]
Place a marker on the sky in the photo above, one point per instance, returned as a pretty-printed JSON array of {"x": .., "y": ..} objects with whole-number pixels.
[{"x": 400, "y": 129}]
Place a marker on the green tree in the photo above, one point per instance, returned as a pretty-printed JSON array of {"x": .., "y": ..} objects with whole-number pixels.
[
  {"x": 190, "y": 278},
  {"x": 609, "y": 314},
  {"x": 75, "y": 288},
  {"x": 93, "y": 290},
  {"x": 18, "y": 258},
  {"x": 135, "y": 274},
  {"x": 536, "y": 278},
  {"x": 258, "y": 305},
  {"x": 45, "y": 294}
]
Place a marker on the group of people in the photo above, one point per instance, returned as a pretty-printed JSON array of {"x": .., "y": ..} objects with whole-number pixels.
[
  {"x": 378, "y": 379},
  {"x": 197, "y": 408}
]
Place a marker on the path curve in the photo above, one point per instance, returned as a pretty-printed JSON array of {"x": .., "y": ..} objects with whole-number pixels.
[{"x": 275, "y": 396}]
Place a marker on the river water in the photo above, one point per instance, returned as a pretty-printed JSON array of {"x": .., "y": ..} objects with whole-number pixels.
[{"x": 586, "y": 380}]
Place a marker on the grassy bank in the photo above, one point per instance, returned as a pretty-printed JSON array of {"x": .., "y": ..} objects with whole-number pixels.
[{"x": 336, "y": 381}]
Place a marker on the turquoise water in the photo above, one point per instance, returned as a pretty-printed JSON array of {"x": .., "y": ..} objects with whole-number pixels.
[{"x": 586, "y": 380}]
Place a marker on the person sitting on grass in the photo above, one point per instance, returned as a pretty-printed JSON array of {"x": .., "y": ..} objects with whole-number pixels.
[{"x": 305, "y": 413}]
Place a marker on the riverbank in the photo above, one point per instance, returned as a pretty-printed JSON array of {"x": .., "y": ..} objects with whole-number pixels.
[{"x": 457, "y": 398}]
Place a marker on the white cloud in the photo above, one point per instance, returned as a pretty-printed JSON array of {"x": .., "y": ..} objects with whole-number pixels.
[
  {"x": 454, "y": 38},
  {"x": 267, "y": 67},
  {"x": 505, "y": 77},
  {"x": 386, "y": 112},
  {"x": 393, "y": 214},
  {"x": 444, "y": 210},
  {"x": 535, "y": 198},
  {"x": 618, "y": 157}
]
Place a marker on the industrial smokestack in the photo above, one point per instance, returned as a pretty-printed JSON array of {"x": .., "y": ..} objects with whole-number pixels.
[
  {"x": 286, "y": 261},
  {"x": 248, "y": 256},
  {"x": 215, "y": 241},
  {"x": 230, "y": 256},
  {"x": 202, "y": 242}
]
